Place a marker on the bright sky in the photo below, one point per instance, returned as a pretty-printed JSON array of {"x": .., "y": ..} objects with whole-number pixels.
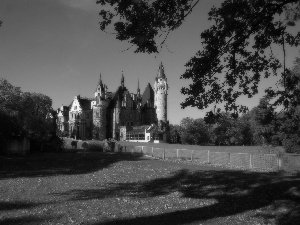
[{"x": 56, "y": 48}]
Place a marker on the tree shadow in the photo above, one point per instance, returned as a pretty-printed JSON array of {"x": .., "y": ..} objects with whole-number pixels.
[
  {"x": 4, "y": 206},
  {"x": 278, "y": 196},
  {"x": 28, "y": 220},
  {"x": 51, "y": 164}
]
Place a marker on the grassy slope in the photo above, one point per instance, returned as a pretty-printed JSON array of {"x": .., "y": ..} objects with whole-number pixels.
[{"x": 123, "y": 189}]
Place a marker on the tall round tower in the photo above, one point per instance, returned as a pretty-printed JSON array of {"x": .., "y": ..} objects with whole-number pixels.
[{"x": 160, "y": 100}]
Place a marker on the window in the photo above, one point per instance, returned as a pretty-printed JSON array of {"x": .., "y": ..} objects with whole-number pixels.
[
  {"x": 75, "y": 107},
  {"x": 87, "y": 115},
  {"x": 131, "y": 123}
]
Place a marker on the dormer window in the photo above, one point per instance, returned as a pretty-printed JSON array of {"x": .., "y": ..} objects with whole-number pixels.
[{"x": 75, "y": 107}]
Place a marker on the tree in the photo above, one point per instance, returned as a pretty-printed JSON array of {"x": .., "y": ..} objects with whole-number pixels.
[
  {"x": 26, "y": 114},
  {"x": 266, "y": 123},
  {"x": 289, "y": 119},
  {"x": 195, "y": 132},
  {"x": 236, "y": 49},
  {"x": 175, "y": 134},
  {"x": 10, "y": 98}
]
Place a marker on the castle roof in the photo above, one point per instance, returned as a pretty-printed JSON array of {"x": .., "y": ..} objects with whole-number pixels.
[
  {"x": 85, "y": 103},
  {"x": 138, "y": 129},
  {"x": 148, "y": 94}
]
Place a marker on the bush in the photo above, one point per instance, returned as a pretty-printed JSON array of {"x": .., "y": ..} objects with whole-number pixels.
[
  {"x": 74, "y": 144},
  {"x": 85, "y": 145},
  {"x": 95, "y": 147}
]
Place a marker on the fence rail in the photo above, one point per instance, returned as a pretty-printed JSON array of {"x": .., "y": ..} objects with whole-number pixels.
[{"x": 272, "y": 162}]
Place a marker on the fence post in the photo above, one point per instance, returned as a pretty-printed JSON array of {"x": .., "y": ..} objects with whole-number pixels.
[
  {"x": 152, "y": 152},
  {"x": 177, "y": 153},
  {"x": 163, "y": 153},
  {"x": 251, "y": 166},
  {"x": 192, "y": 155},
  {"x": 208, "y": 156},
  {"x": 279, "y": 162}
]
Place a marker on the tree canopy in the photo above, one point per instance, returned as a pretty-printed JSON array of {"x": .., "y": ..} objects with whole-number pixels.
[
  {"x": 237, "y": 48},
  {"x": 24, "y": 114}
]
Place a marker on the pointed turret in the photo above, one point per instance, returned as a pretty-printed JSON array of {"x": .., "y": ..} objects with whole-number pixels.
[
  {"x": 100, "y": 89},
  {"x": 138, "y": 89},
  {"x": 122, "y": 80},
  {"x": 100, "y": 81},
  {"x": 161, "y": 71}
]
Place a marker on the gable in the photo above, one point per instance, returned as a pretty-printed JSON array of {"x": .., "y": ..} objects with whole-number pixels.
[{"x": 148, "y": 95}]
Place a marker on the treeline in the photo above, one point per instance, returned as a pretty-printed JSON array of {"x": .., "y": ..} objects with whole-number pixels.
[
  {"x": 263, "y": 125},
  {"x": 27, "y": 114}
]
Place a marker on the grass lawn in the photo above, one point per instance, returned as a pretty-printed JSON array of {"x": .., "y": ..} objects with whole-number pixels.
[
  {"x": 108, "y": 189},
  {"x": 232, "y": 149}
]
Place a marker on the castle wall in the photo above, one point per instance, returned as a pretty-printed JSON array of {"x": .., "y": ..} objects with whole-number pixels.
[{"x": 99, "y": 120}]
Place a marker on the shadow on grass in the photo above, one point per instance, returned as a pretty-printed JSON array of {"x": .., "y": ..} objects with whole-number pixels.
[
  {"x": 266, "y": 195},
  {"x": 51, "y": 164},
  {"x": 27, "y": 220},
  {"x": 4, "y": 206}
]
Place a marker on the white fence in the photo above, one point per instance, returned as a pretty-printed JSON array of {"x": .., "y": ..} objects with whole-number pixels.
[{"x": 239, "y": 160}]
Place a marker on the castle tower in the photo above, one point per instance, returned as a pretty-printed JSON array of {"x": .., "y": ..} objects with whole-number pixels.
[
  {"x": 101, "y": 89},
  {"x": 160, "y": 99},
  {"x": 99, "y": 107}
]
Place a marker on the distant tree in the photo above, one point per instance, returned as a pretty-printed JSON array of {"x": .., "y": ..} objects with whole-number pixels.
[
  {"x": 25, "y": 114},
  {"x": 236, "y": 48},
  {"x": 224, "y": 130},
  {"x": 10, "y": 98},
  {"x": 245, "y": 129},
  {"x": 266, "y": 123},
  {"x": 175, "y": 134},
  {"x": 195, "y": 132},
  {"x": 289, "y": 118}
]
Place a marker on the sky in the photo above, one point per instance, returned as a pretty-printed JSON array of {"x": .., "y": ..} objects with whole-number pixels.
[{"x": 57, "y": 48}]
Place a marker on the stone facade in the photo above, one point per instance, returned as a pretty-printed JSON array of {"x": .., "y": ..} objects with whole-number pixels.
[{"x": 112, "y": 115}]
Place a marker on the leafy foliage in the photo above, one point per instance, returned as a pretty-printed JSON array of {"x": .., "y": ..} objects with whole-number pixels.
[
  {"x": 266, "y": 122},
  {"x": 142, "y": 22},
  {"x": 175, "y": 134},
  {"x": 195, "y": 132},
  {"x": 237, "y": 52},
  {"x": 236, "y": 49},
  {"x": 26, "y": 114}
]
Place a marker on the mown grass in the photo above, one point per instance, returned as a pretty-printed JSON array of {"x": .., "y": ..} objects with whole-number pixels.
[
  {"x": 100, "y": 188},
  {"x": 232, "y": 149}
]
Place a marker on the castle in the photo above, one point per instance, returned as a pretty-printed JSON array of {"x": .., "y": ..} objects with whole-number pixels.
[{"x": 120, "y": 115}]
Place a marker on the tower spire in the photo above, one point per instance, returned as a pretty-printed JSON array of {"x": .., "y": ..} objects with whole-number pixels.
[
  {"x": 122, "y": 80},
  {"x": 161, "y": 71},
  {"x": 100, "y": 80},
  {"x": 138, "y": 88}
]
